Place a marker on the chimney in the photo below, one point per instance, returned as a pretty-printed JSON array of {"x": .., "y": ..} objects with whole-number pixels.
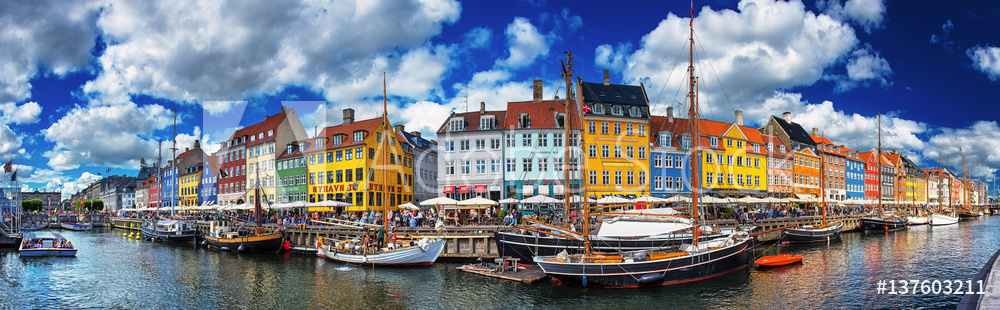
[
  {"x": 670, "y": 114},
  {"x": 416, "y": 133},
  {"x": 348, "y": 116},
  {"x": 607, "y": 77},
  {"x": 187, "y": 149},
  {"x": 536, "y": 91},
  {"x": 399, "y": 128},
  {"x": 816, "y": 131},
  {"x": 739, "y": 118},
  {"x": 482, "y": 107},
  {"x": 197, "y": 144},
  {"x": 787, "y": 116}
]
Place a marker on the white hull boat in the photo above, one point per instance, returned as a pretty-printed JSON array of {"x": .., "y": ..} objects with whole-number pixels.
[
  {"x": 424, "y": 252},
  {"x": 917, "y": 220},
  {"x": 941, "y": 219}
]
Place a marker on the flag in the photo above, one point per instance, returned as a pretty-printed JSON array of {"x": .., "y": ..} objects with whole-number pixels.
[
  {"x": 8, "y": 166},
  {"x": 109, "y": 169},
  {"x": 222, "y": 172},
  {"x": 586, "y": 109},
  {"x": 13, "y": 177}
]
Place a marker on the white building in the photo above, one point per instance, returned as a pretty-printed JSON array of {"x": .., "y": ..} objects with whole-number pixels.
[{"x": 470, "y": 155}]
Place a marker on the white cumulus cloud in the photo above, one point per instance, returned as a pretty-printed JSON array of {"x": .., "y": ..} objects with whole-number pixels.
[
  {"x": 869, "y": 14},
  {"x": 526, "y": 44},
  {"x": 986, "y": 59},
  {"x": 114, "y": 135},
  {"x": 26, "y": 113}
]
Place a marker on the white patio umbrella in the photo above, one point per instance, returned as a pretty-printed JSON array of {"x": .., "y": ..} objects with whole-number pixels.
[
  {"x": 751, "y": 199},
  {"x": 540, "y": 199},
  {"x": 439, "y": 201},
  {"x": 290, "y": 205},
  {"x": 409, "y": 206},
  {"x": 678, "y": 199},
  {"x": 478, "y": 201},
  {"x": 509, "y": 201},
  {"x": 649, "y": 199},
  {"x": 578, "y": 199},
  {"x": 612, "y": 200},
  {"x": 711, "y": 200},
  {"x": 329, "y": 203}
]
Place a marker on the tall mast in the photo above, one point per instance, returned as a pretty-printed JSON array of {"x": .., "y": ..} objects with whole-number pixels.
[
  {"x": 878, "y": 160},
  {"x": 965, "y": 176},
  {"x": 822, "y": 183},
  {"x": 567, "y": 75},
  {"x": 159, "y": 176},
  {"x": 695, "y": 136},
  {"x": 382, "y": 156},
  {"x": 173, "y": 166},
  {"x": 939, "y": 180},
  {"x": 584, "y": 181}
]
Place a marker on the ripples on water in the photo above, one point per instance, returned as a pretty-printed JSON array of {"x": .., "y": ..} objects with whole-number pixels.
[{"x": 113, "y": 272}]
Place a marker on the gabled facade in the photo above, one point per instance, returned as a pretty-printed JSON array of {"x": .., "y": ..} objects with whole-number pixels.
[
  {"x": 870, "y": 160},
  {"x": 292, "y": 172},
  {"x": 855, "y": 174},
  {"x": 669, "y": 163},
  {"x": 456, "y": 155},
  {"x": 805, "y": 154},
  {"x": 190, "y": 184},
  {"x": 779, "y": 168},
  {"x": 266, "y": 140},
  {"x": 208, "y": 188},
  {"x": 619, "y": 117},
  {"x": 834, "y": 170},
  {"x": 534, "y": 150}
]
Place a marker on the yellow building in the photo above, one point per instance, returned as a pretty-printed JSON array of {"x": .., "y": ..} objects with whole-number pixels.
[
  {"x": 264, "y": 140},
  {"x": 350, "y": 163},
  {"x": 616, "y": 119},
  {"x": 733, "y": 159},
  {"x": 189, "y": 188}
]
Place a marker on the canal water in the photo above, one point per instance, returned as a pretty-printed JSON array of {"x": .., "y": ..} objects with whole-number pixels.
[{"x": 114, "y": 272}]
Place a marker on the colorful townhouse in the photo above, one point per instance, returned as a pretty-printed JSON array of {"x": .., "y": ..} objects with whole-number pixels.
[
  {"x": 870, "y": 159},
  {"x": 535, "y": 147},
  {"x": 232, "y": 180},
  {"x": 669, "y": 163},
  {"x": 617, "y": 118},
  {"x": 266, "y": 139},
  {"x": 168, "y": 192},
  {"x": 833, "y": 167},
  {"x": 189, "y": 186},
  {"x": 915, "y": 183},
  {"x": 153, "y": 183},
  {"x": 189, "y": 166},
  {"x": 933, "y": 188},
  {"x": 899, "y": 176},
  {"x": 141, "y": 194},
  {"x": 363, "y": 163},
  {"x": 208, "y": 190},
  {"x": 425, "y": 168},
  {"x": 779, "y": 168},
  {"x": 291, "y": 170},
  {"x": 805, "y": 159},
  {"x": 456, "y": 155},
  {"x": 855, "y": 174}
]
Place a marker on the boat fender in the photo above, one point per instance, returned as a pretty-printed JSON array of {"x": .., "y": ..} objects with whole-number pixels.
[
  {"x": 364, "y": 259},
  {"x": 584, "y": 282},
  {"x": 423, "y": 244},
  {"x": 241, "y": 248},
  {"x": 651, "y": 278},
  {"x": 204, "y": 242}
]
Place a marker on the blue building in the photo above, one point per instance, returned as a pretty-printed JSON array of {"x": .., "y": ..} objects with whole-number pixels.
[
  {"x": 169, "y": 187},
  {"x": 668, "y": 167},
  {"x": 207, "y": 190},
  {"x": 855, "y": 175},
  {"x": 534, "y": 151}
]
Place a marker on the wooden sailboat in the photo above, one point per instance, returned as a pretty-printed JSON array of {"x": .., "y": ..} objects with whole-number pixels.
[
  {"x": 172, "y": 231},
  {"x": 940, "y": 219},
  {"x": 243, "y": 239},
  {"x": 670, "y": 265},
  {"x": 422, "y": 252},
  {"x": 881, "y": 221},
  {"x": 822, "y": 233}
]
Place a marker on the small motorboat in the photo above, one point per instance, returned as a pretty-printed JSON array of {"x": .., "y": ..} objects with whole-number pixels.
[
  {"x": 778, "y": 260},
  {"x": 46, "y": 244}
]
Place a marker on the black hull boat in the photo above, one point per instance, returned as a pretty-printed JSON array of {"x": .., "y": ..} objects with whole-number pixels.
[
  {"x": 877, "y": 224},
  {"x": 526, "y": 245},
  {"x": 632, "y": 271},
  {"x": 967, "y": 216},
  {"x": 812, "y": 234},
  {"x": 264, "y": 243},
  {"x": 170, "y": 231}
]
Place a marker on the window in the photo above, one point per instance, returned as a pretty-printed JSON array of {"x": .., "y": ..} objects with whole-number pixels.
[
  {"x": 606, "y": 177},
  {"x": 756, "y": 148},
  {"x": 668, "y": 161},
  {"x": 558, "y": 164},
  {"x": 592, "y": 127},
  {"x": 729, "y": 178},
  {"x": 523, "y": 121},
  {"x": 359, "y": 136},
  {"x": 481, "y": 166},
  {"x": 713, "y": 142},
  {"x": 739, "y": 144},
  {"x": 359, "y": 153},
  {"x": 782, "y": 149},
  {"x": 729, "y": 160},
  {"x": 598, "y": 109},
  {"x": 756, "y": 162},
  {"x": 618, "y": 129},
  {"x": 467, "y": 167},
  {"x": 348, "y": 154},
  {"x": 658, "y": 182},
  {"x": 718, "y": 178},
  {"x": 642, "y": 178},
  {"x": 664, "y": 140},
  {"x": 349, "y": 175},
  {"x": 340, "y": 155},
  {"x": 449, "y": 168},
  {"x": 630, "y": 177},
  {"x": 628, "y": 129},
  {"x": 464, "y": 145},
  {"x": 685, "y": 142},
  {"x": 526, "y": 163},
  {"x": 642, "y": 152},
  {"x": 449, "y": 146},
  {"x": 543, "y": 140},
  {"x": 510, "y": 165},
  {"x": 729, "y": 142},
  {"x": 337, "y": 140},
  {"x": 312, "y": 178},
  {"x": 593, "y": 176},
  {"x": 770, "y": 147},
  {"x": 487, "y": 122},
  {"x": 557, "y": 140},
  {"x": 604, "y": 128},
  {"x": 739, "y": 160},
  {"x": 593, "y": 151},
  {"x": 604, "y": 151},
  {"x": 642, "y": 130},
  {"x": 456, "y": 124},
  {"x": 312, "y": 159},
  {"x": 708, "y": 178},
  {"x": 618, "y": 177},
  {"x": 616, "y": 110},
  {"x": 480, "y": 144},
  {"x": 678, "y": 162},
  {"x": 739, "y": 179},
  {"x": 495, "y": 166},
  {"x": 618, "y": 151},
  {"x": 526, "y": 140},
  {"x": 629, "y": 152},
  {"x": 543, "y": 164},
  {"x": 495, "y": 144}
]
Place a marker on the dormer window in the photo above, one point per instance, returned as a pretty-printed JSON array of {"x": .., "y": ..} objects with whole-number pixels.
[
  {"x": 359, "y": 136},
  {"x": 598, "y": 108},
  {"x": 454, "y": 124},
  {"x": 337, "y": 140},
  {"x": 634, "y": 112},
  {"x": 320, "y": 142},
  {"x": 523, "y": 121},
  {"x": 665, "y": 139},
  {"x": 756, "y": 148},
  {"x": 782, "y": 148},
  {"x": 686, "y": 142},
  {"x": 616, "y": 110},
  {"x": 770, "y": 147},
  {"x": 713, "y": 142},
  {"x": 487, "y": 122},
  {"x": 560, "y": 120}
]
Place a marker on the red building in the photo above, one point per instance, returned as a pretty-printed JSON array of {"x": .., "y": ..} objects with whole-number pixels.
[
  {"x": 232, "y": 162},
  {"x": 871, "y": 175}
]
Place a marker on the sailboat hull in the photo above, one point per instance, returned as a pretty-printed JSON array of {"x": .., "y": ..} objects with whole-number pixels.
[
  {"x": 684, "y": 269},
  {"x": 183, "y": 236},
  {"x": 917, "y": 220},
  {"x": 527, "y": 246},
  {"x": 260, "y": 243},
  {"x": 941, "y": 219},
  {"x": 967, "y": 216},
  {"x": 877, "y": 224},
  {"x": 409, "y": 256},
  {"x": 810, "y": 235}
]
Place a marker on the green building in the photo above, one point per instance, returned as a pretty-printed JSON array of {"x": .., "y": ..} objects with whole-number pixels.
[{"x": 291, "y": 174}]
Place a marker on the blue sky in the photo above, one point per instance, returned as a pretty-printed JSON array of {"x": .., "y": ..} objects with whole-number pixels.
[{"x": 90, "y": 87}]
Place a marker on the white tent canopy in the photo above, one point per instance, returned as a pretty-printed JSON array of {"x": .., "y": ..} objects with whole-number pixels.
[
  {"x": 540, "y": 199},
  {"x": 409, "y": 206},
  {"x": 478, "y": 201},
  {"x": 329, "y": 203},
  {"x": 439, "y": 201},
  {"x": 678, "y": 198},
  {"x": 612, "y": 199},
  {"x": 509, "y": 201},
  {"x": 578, "y": 199},
  {"x": 648, "y": 199}
]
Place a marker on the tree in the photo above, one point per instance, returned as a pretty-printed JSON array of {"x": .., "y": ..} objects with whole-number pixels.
[
  {"x": 32, "y": 205},
  {"x": 92, "y": 205}
]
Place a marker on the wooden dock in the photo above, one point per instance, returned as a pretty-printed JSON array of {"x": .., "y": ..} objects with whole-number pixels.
[{"x": 520, "y": 275}]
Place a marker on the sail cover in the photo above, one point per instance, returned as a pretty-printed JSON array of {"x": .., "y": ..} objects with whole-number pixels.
[{"x": 639, "y": 229}]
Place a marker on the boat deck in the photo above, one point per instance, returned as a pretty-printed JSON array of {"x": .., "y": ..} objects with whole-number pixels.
[{"x": 521, "y": 275}]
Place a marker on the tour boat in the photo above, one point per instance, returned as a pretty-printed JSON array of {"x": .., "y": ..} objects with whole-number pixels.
[
  {"x": 46, "y": 244},
  {"x": 76, "y": 226},
  {"x": 778, "y": 260},
  {"x": 917, "y": 220},
  {"x": 423, "y": 252},
  {"x": 33, "y": 226},
  {"x": 651, "y": 267},
  {"x": 942, "y": 219},
  {"x": 810, "y": 234},
  {"x": 170, "y": 231}
]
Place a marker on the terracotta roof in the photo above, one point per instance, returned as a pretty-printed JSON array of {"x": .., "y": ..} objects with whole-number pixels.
[
  {"x": 894, "y": 158},
  {"x": 822, "y": 142},
  {"x": 347, "y": 130},
  {"x": 472, "y": 120},
  {"x": 866, "y": 155},
  {"x": 706, "y": 128},
  {"x": 777, "y": 145},
  {"x": 297, "y": 152},
  {"x": 541, "y": 115},
  {"x": 270, "y": 123}
]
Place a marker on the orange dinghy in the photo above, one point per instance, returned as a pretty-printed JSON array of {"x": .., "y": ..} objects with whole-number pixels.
[{"x": 778, "y": 260}]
